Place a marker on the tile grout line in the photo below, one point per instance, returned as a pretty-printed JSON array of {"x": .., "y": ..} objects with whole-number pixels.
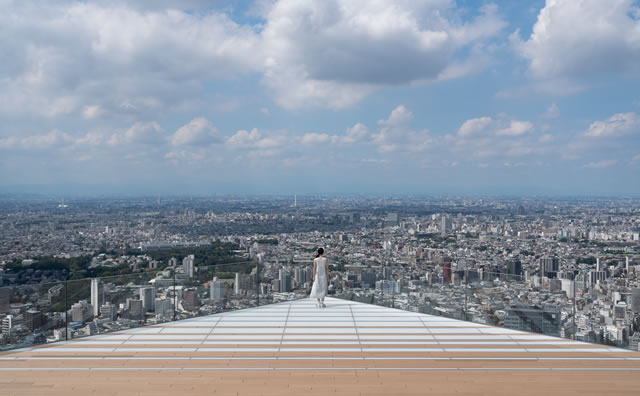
[
  {"x": 208, "y": 334},
  {"x": 284, "y": 328},
  {"x": 431, "y": 334},
  {"x": 355, "y": 326}
]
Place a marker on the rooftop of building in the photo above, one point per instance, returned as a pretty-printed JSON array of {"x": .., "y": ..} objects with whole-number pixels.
[{"x": 294, "y": 348}]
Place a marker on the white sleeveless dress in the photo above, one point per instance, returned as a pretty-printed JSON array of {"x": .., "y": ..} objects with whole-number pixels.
[{"x": 319, "y": 288}]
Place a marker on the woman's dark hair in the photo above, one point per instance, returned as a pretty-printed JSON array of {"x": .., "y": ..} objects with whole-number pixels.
[{"x": 320, "y": 252}]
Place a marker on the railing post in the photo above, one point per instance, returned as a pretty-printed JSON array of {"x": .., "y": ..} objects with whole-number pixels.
[
  {"x": 66, "y": 311},
  {"x": 258, "y": 282},
  {"x": 175, "y": 295},
  {"x": 466, "y": 286}
]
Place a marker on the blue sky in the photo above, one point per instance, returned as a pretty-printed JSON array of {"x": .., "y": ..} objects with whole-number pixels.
[{"x": 336, "y": 96}]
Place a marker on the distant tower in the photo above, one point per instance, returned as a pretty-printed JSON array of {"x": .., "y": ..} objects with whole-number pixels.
[
  {"x": 188, "y": 264},
  {"x": 626, "y": 266},
  {"x": 97, "y": 296},
  {"x": 295, "y": 200}
]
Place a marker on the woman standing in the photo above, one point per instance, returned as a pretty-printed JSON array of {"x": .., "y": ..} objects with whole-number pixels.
[{"x": 320, "y": 278}]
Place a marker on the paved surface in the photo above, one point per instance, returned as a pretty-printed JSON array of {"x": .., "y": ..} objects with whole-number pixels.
[{"x": 294, "y": 347}]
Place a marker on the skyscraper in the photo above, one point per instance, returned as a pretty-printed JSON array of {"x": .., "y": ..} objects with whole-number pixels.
[
  {"x": 191, "y": 299},
  {"x": 33, "y": 319},
  {"x": 514, "y": 268},
  {"x": 108, "y": 311},
  {"x": 97, "y": 296},
  {"x": 392, "y": 220},
  {"x": 445, "y": 224},
  {"x": 217, "y": 290},
  {"x": 549, "y": 266},
  {"x": 285, "y": 280},
  {"x": 173, "y": 262},
  {"x": 5, "y": 295},
  {"x": 635, "y": 300},
  {"x": 134, "y": 309},
  {"x": 148, "y": 296},
  {"x": 188, "y": 264},
  {"x": 597, "y": 276},
  {"x": 446, "y": 272}
]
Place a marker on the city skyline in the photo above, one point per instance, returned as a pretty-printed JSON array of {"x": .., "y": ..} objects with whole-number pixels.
[{"x": 433, "y": 97}]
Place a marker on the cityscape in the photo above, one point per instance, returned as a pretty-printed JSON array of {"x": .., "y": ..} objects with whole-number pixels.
[
  {"x": 566, "y": 268},
  {"x": 319, "y": 197}
]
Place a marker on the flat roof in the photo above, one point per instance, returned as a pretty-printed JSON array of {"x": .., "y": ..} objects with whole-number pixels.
[{"x": 294, "y": 347}]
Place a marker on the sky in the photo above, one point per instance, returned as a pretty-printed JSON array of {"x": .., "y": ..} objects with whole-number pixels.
[{"x": 333, "y": 96}]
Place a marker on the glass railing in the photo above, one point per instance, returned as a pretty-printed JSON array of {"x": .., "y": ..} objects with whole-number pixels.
[
  {"x": 50, "y": 312},
  {"x": 554, "y": 307},
  {"x": 65, "y": 310}
]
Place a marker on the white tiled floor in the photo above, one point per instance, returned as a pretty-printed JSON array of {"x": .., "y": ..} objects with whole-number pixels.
[{"x": 343, "y": 326}]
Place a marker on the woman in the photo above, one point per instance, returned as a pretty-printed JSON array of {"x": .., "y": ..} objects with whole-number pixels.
[{"x": 320, "y": 278}]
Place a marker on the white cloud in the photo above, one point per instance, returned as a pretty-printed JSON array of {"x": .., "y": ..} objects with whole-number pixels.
[
  {"x": 92, "y": 111},
  {"x": 143, "y": 133},
  {"x": 119, "y": 58},
  {"x": 617, "y": 125},
  {"x": 355, "y": 134},
  {"x": 474, "y": 126},
  {"x": 197, "y": 132},
  {"x": 516, "y": 128},
  {"x": 484, "y": 126},
  {"x": 400, "y": 115},
  {"x": 572, "y": 38},
  {"x": 486, "y": 137},
  {"x": 333, "y": 53},
  {"x": 601, "y": 164},
  {"x": 244, "y": 138},
  {"x": 394, "y": 133},
  {"x": 255, "y": 139},
  {"x": 52, "y": 140},
  {"x": 315, "y": 138}
]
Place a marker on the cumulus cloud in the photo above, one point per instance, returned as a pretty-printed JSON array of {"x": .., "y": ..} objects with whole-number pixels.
[
  {"x": 51, "y": 140},
  {"x": 572, "y": 38},
  {"x": 515, "y": 128},
  {"x": 244, "y": 138},
  {"x": 118, "y": 58},
  {"x": 488, "y": 126},
  {"x": 142, "y": 133},
  {"x": 125, "y": 58},
  {"x": 617, "y": 125},
  {"x": 355, "y": 134},
  {"x": 333, "y": 53},
  {"x": 197, "y": 132},
  {"x": 395, "y": 134},
  {"x": 315, "y": 138},
  {"x": 474, "y": 125},
  {"x": 486, "y": 137}
]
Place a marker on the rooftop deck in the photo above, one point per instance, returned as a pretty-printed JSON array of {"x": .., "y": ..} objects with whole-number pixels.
[{"x": 295, "y": 348}]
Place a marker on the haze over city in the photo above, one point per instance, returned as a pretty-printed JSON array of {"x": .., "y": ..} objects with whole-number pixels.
[{"x": 427, "y": 97}]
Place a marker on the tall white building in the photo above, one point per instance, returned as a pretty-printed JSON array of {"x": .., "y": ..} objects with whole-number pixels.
[
  {"x": 97, "y": 296},
  {"x": 188, "y": 263},
  {"x": 7, "y": 324},
  {"x": 148, "y": 297},
  {"x": 216, "y": 290}
]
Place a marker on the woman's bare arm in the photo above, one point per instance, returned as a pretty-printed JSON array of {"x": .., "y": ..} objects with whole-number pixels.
[{"x": 313, "y": 278}]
